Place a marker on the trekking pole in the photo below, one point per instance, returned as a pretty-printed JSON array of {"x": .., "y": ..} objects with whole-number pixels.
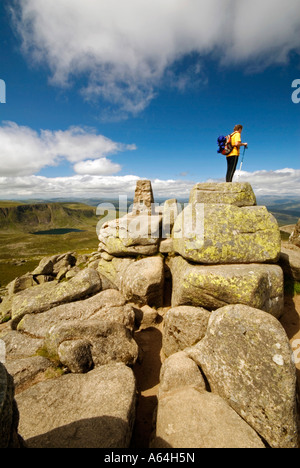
[{"x": 240, "y": 169}]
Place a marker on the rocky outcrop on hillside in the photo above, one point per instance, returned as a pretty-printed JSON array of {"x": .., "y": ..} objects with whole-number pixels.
[
  {"x": 33, "y": 217},
  {"x": 228, "y": 378}
]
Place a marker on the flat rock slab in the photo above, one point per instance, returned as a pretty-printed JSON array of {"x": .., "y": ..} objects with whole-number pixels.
[
  {"x": 108, "y": 306},
  {"x": 188, "y": 418},
  {"x": 220, "y": 233},
  {"x": 248, "y": 361},
  {"x": 235, "y": 193},
  {"x": 94, "y": 410},
  {"x": 214, "y": 286},
  {"x": 45, "y": 296}
]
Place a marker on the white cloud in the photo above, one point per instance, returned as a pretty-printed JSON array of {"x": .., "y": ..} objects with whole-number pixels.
[
  {"x": 25, "y": 151},
  {"x": 98, "y": 166},
  {"x": 123, "y": 48},
  {"x": 280, "y": 183}
]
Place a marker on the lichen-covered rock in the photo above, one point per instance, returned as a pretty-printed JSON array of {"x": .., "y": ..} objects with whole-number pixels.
[
  {"x": 248, "y": 361},
  {"x": 139, "y": 281},
  {"x": 214, "y": 286},
  {"x": 143, "y": 197},
  {"x": 114, "y": 268},
  {"x": 45, "y": 296},
  {"x": 143, "y": 281},
  {"x": 188, "y": 418},
  {"x": 131, "y": 235},
  {"x": 220, "y": 233},
  {"x": 94, "y": 410},
  {"x": 236, "y": 193},
  {"x": 108, "y": 306},
  {"x": 184, "y": 326}
]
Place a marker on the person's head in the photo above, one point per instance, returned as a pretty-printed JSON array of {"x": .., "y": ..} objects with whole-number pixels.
[{"x": 238, "y": 128}]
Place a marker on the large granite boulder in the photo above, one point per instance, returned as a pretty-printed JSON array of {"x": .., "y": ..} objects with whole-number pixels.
[
  {"x": 178, "y": 371},
  {"x": 188, "y": 418},
  {"x": 235, "y": 193},
  {"x": 183, "y": 326},
  {"x": 247, "y": 360},
  {"x": 108, "y": 306},
  {"x": 131, "y": 235},
  {"x": 214, "y": 286},
  {"x": 220, "y": 233},
  {"x": 94, "y": 410},
  {"x": 82, "y": 345},
  {"x": 143, "y": 281},
  {"x": 45, "y": 296},
  {"x": 140, "y": 281}
]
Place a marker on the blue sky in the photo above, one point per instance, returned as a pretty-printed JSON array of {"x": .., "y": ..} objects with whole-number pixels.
[{"x": 103, "y": 92}]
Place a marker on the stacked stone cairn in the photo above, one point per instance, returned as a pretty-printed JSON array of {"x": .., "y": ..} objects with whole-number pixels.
[
  {"x": 210, "y": 269},
  {"x": 229, "y": 377}
]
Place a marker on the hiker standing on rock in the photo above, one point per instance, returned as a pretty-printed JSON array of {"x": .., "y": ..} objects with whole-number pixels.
[{"x": 233, "y": 156}]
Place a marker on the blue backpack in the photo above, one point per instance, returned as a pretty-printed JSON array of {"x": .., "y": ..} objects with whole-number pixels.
[{"x": 224, "y": 143}]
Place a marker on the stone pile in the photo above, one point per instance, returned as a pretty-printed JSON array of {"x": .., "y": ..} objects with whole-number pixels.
[{"x": 228, "y": 378}]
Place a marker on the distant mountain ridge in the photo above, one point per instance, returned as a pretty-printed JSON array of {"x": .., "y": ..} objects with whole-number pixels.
[{"x": 33, "y": 217}]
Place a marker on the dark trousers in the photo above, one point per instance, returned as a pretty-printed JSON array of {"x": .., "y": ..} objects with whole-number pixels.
[{"x": 231, "y": 167}]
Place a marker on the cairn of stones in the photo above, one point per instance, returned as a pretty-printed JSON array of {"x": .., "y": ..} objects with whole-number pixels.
[
  {"x": 222, "y": 332},
  {"x": 211, "y": 269}
]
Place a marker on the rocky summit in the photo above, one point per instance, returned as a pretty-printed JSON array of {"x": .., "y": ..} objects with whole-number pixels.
[{"x": 77, "y": 351}]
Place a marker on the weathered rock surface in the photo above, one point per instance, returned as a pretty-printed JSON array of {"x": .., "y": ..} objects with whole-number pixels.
[
  {"x": 236, "y": 193},
  {"x": 82, "y": 345},
  {"x": 170, "y": 211},
  {"x": 295, "y": 236},
  {"x": 27, "y": 371},
  {"x": 178, "y": 371},
  {"x": 188, "y": 418},
  {"x": 247, "y": 359},
  {"x": 184, "y": 326},
  {"x": 143, "y": 197},
  {"x": 9, "y": 415},
  {"x": 94, "y": 410},
  {"x": 45, "y": 296},
  {"x": 143, "y": 281},
  {"x": 131, "y": 235},
  {"x": 290, "y": 261},
  {"x": 19, "y": 345},
  {"x": 108, "y": 306},
  {"x": 138, "y": 280},
  {"x": 52, "y": 265},
  {"x": 213, "y": 286},
  {"x": 219, "y": 233}
]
